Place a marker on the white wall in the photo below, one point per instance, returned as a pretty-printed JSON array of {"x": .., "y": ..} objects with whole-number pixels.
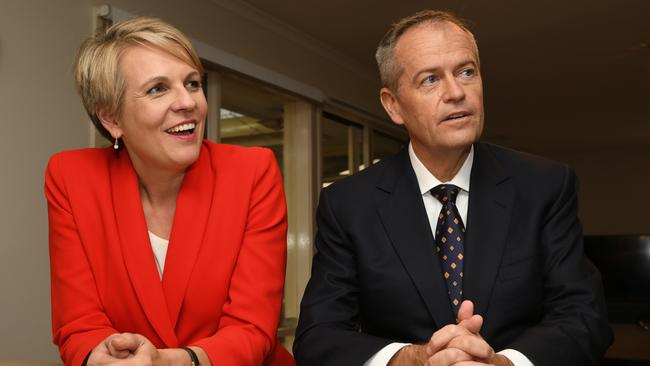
[{"x": 39, "y": 114}]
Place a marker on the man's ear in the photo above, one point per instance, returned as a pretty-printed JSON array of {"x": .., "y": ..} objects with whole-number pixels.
[
  {"x": 391, "y": 105},
  {"x": 109, "y": 122}
]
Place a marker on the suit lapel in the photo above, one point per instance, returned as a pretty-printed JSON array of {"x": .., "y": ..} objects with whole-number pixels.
[
  {"x": 404, "y": 218},
  {"x": 190, "y": 222},
  {"x": 491, "y": 201},
  {"x": 136, "y": 247}
]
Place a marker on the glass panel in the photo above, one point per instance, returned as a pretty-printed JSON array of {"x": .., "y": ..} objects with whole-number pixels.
[
  {"x": 334, "y": 145},
  {"x": 384, "y": 146},
  {"x": 251, "y": 115},
  {"x": 342, "y": 150},
  {"x": 356, "y": 135}
]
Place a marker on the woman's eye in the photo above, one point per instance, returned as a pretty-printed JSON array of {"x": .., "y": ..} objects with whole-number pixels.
[
  {"x": 193, "y": 84},
  {"x": 429, "y": 80},
  {"x": 157, "y": 89}
]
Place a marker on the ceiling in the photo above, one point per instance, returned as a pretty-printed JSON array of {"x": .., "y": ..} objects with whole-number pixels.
[{"x": 559, "y": 76}]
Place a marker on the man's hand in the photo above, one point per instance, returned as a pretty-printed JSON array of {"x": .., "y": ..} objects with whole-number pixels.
[
  {"x": 500, "y": 360},
  {"x": 455, "y": 343},
  {"x": 467, "y": 318},
  {"x": 460, "y": 342}
]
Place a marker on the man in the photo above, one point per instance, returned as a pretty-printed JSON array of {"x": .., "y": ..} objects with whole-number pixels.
[{"x": 452, "y": 249}]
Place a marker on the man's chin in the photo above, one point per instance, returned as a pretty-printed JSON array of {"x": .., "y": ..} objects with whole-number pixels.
[{"x": 458, "y": 143}]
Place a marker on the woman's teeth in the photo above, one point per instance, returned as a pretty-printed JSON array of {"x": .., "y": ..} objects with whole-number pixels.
[{"x": 182, "y": 128}]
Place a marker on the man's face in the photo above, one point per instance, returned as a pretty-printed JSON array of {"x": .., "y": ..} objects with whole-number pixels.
[{"x": 439, "y": 97}]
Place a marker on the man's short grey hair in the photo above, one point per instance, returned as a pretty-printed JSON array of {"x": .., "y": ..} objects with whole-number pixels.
[{"x": 389, "y": 69}]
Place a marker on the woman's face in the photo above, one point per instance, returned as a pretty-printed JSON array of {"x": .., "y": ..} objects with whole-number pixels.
[{"x": 163, "y": 110}]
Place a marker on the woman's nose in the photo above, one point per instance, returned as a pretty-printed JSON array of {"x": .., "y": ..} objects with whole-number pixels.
[{"x": 184, "y": 100}]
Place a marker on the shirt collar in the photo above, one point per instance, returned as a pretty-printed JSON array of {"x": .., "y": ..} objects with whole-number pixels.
[{"x": 427, "y": 181}]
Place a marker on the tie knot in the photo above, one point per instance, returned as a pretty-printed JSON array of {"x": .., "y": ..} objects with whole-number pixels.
[{"x": 445, "y": 193}]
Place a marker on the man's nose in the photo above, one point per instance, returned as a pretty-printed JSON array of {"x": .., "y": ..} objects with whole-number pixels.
[{"x": 453, "y": 90}]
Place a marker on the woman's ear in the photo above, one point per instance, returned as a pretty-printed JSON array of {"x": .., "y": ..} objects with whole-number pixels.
[
  {"x": 109, "y": 122},
  {"x": 391, "y": 105}
]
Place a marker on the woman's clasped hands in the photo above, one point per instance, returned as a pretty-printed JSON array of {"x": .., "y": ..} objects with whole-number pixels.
[{"x": 131, "y": 349}]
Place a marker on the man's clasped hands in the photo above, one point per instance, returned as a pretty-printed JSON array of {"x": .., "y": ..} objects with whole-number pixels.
[{"x": 455, "y": 344}]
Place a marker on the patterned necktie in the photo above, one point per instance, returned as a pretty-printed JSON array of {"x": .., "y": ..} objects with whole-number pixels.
[{"x": 450, "y": 239}]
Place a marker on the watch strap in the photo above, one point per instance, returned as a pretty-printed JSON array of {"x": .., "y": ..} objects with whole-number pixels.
[{"x": 193, "y": 357}]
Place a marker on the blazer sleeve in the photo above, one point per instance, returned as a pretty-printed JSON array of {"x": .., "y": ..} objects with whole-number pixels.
[
  {"x": 328, "y": 331},
  {"x": 78, "y": 320},
  {"x": 246, "y": 333},
  {"x": 574, "y": 325}
]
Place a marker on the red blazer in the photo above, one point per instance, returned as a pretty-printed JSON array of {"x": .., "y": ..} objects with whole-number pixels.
[{"x": 224, "y": 272}]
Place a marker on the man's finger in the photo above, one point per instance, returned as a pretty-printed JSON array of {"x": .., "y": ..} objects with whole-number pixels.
[
  {"x": 448, "y": 356},
  {"x": 442, "y": 337},
  {"x": 473, "y": 324},
  {"x": 473, "y": 345},
  {"x": 466, "y": 310}
]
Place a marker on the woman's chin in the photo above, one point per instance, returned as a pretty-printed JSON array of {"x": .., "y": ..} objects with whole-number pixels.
[{"x": 185, "y": 158}]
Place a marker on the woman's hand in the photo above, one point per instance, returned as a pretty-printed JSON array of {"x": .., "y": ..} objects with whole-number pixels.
[
  {"x": 106, "y": 354},
  {"x": 125, "y": 349},
  {"x": 130, "y": 349}
]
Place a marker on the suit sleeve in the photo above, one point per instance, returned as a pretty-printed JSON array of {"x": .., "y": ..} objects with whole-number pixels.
[
  {"x": 78, "y": 320},
  {"x": 328, "y": 330},
  {"x": 247, "y": 330},
  {"x": 574, "y": 328}
]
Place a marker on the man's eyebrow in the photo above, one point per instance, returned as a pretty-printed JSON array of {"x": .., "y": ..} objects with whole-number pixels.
[
  {"x": 427, "y": 70},
  {"x": 434, "y": 69},
  {"x": 467, "y": 63}
]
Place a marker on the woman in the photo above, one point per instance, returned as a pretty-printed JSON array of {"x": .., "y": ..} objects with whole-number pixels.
[{"x": 167, "y": 249}]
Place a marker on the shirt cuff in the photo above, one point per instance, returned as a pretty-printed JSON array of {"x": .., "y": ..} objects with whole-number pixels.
[
  {"x": 517, "y": 358},
  {"x": 384, "y": 355}
]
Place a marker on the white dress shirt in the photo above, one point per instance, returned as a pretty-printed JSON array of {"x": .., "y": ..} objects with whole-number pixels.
[{"x": 427, "y": 181}]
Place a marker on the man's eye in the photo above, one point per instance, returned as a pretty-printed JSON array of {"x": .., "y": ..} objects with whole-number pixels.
[
  {"x": 429, "y": 80},
  {"x": 193, "y": 84},
  {"x": 468, "y": 73},
  {"x": 157, "y": 89}
]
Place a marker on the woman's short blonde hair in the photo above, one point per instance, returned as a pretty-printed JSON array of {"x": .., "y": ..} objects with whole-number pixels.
[{"x": 97, "y": 73}]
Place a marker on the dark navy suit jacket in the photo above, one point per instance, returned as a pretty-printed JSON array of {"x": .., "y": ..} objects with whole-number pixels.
[{"x": 376, "y": 279}]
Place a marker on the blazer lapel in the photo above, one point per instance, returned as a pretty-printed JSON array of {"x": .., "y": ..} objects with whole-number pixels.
[
  {"x": 404, "y": 218},
  {"x": 136, "y": 247},
  {"x": 491, "y": 200},
  {"x": 190, "y": 222}
]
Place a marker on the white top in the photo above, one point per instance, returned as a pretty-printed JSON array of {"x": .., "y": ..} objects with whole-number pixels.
[
  {"x": 159, "y": 247},
  {"x": 427, "y": 181}
]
